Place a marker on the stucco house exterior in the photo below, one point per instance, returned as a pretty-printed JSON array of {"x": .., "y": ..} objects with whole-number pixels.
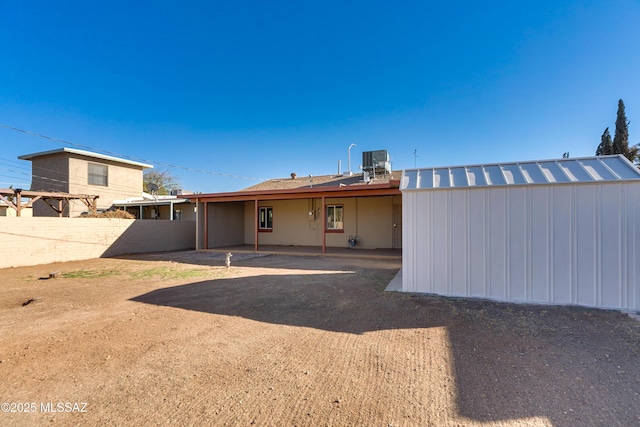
[
  {"x": 70, "y": 170},
  {"x": 320, "y": 212}
]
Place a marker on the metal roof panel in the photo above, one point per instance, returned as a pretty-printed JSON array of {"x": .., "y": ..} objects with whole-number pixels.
[
  {"x": 575, "y": 172},
  {"x": 625, "y": 170},
  {"x": 459, "y": 177},
  {"x": 494, "y": 175},
  {"x": 532, "y": 173},
  {"x": 476, "y": 176},
  {"x": 441, "y": 178},
  {"x": 555, "y": 171},
  {"x": 410, "y": 179},
  {"x": 598, "y": 170},
  {"x": 513, "y": 174}
]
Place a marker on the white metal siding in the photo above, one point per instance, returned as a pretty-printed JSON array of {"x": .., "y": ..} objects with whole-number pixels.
[{"x": 557, "y": 244}]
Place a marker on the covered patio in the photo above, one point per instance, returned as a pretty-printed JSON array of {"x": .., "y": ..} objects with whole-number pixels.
[{"x": 304, "y": 220}]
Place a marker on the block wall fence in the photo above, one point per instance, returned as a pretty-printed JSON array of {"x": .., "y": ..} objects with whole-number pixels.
[{"x": 28, "y": 241}]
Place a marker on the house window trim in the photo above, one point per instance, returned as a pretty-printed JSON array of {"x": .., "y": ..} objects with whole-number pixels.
[
  {"x": 326, "y": 225},
  {"x": 90, "y": 175},
  {"x": 265, "y": 229}
]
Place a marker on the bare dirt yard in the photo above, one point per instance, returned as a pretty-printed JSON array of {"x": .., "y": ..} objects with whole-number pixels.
[{"x": 178, "y": 339}]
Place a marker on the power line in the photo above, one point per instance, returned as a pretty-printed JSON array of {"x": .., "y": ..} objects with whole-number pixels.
[
  {"x": 86, "y": 147},
  {"x": 20, "y": 165},
  {"x": 39, "y": 172},
  {"x": 17, "y": 179},
  {"x": 116, "y": 190}
]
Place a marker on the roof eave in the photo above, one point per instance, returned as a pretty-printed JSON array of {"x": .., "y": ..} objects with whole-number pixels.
[
  {"x": 390, "y": 188},
  {"x": 84, "y": 153}
]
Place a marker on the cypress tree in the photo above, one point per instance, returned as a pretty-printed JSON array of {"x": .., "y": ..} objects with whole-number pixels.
[
  {"x": 621, "y": 137},
  {"x": 620, "y": 143},
  {"x": 606, "y": 146}
]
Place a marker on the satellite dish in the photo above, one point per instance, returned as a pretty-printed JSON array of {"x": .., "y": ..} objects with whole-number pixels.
[{"x": 152, "y": 187}]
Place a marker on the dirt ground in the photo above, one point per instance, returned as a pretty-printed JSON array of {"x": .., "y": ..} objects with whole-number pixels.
[{"x": 178, "y": 339}]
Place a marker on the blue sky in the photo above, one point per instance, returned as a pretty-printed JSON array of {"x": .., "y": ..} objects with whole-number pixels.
[{"x": 255, "y": 90}]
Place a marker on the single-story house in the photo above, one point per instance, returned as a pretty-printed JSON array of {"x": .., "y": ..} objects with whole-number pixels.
[
  {"x": 563, "y": 231},
  {"x": 319, "y": 211},
  {"x": 149, "y": 206}
]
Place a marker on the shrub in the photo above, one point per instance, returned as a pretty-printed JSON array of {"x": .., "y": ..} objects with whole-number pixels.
[{"x": 118, "y": 213}]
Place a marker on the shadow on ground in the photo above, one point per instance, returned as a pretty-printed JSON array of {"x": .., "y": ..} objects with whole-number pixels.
[
  {"x": 287, "y": 259},
  {"x": 510, "y": 361}
]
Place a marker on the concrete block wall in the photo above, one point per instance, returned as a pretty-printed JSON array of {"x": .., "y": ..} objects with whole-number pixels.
[{"x": 41, "y": 240}]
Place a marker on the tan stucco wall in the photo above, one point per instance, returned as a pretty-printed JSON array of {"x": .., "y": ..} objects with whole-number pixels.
[
  {"x": 375, "y": 224},
  {"x": 368, "y": 218},
  {"x": 249, "y": 223},
  {"x": 124, "y": 181},
  {"x": 291, "y": 224},
  {"x": 47, "y": 240},
  {"x": 226, "y": 224},
  {"x": 49, "y": 173}
]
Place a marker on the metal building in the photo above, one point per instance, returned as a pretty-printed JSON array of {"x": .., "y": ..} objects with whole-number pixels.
[{"x": 563, "y": 231}]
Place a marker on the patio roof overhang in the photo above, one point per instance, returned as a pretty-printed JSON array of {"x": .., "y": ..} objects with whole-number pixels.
[{"x": 160, "y": 202}]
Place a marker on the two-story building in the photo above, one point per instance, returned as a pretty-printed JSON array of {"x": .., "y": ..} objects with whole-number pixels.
[{"x": 69, "y": 170}]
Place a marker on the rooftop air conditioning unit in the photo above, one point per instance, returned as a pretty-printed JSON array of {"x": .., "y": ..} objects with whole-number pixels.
[{"x": 376, "y": 163}]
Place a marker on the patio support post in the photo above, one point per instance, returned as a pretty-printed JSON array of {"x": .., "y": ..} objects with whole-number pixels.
[
  {"x": 198, "y": 224},
  {"x": 18, "y": 203},
  {"x": 323, "y": 225},
  {"x": 206, "y": 225},
  {"x": 255, "y": 224}
]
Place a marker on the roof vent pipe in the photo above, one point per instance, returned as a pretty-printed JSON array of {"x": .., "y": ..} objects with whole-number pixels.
[{"x": 339, "y": 166}]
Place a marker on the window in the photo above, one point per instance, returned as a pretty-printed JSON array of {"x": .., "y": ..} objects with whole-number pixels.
[
  {"x": 335, "y": 219},
  {"x": 98, "y": 175},
  {"x": 265, "y": 218}
]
